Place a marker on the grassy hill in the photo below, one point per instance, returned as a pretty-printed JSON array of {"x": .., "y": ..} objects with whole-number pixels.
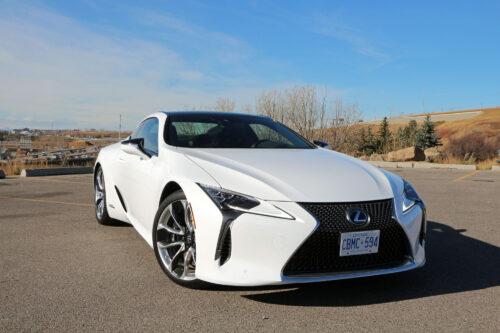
[
  {"x": 488, "y": 122},
  {"x": 468, "y": 136}
]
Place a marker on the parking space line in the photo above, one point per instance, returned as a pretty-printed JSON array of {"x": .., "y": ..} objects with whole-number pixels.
[
  {"x": 467, "y": 176},
  {"x": 61, "y": 181},
  {"x": 47, "y": 201}
]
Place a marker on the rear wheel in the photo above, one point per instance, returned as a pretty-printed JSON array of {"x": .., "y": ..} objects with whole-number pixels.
[
  {"x": 101, "y": 212},
  {"x": 174, "y": 240}
]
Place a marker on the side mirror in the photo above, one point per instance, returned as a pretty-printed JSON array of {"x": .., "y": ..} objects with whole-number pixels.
[
  {"x": 321, "y": 144},
  {"x": 134, "y": 147}
]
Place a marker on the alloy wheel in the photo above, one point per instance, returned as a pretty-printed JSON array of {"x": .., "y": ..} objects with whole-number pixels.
[
  {"x": 99, "y": 194},
  {"x": 175, "y": 239}
]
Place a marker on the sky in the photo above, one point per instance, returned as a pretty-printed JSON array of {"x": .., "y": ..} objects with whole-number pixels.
[{"x": 80, "y": 64}]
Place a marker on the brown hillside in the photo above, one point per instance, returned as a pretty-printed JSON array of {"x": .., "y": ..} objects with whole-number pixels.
[{"x": 488, "y": 122}]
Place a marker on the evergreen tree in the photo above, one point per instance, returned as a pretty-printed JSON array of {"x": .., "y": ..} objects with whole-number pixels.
[
  {"x": 399, "y": 139},
  {"x": 362, "y": 142},
  {"x": 410, "y": 134},
  {"x": 371, "y": 144},
  {"x": 427, "y": 136},
  {"x": 384, "y": 137}
]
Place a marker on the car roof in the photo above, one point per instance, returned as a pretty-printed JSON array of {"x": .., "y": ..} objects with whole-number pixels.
[{"x": 212, "y": 112}]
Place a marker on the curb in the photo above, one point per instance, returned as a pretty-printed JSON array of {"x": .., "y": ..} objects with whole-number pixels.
[
  {"x": 444, "y": 166},
  {"x": 383, "y": 164},
  {"x": 425, "y": 165},
  {"x": 55, "y": 171},
  {"x": 405, "y": 164}
]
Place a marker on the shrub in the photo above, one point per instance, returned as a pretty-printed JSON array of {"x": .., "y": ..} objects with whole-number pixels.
[{"x": 473, "y": 146}]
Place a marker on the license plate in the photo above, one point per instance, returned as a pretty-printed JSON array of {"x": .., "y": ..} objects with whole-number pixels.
[{"x": 359, "y": 242}]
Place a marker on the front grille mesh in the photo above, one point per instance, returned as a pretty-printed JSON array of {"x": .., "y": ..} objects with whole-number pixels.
[{"x": 320, "y": 252}]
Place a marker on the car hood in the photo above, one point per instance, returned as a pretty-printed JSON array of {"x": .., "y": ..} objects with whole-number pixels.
[{"x": 299, "y": 175}]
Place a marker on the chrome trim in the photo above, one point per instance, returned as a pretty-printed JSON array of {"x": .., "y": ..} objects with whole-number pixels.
[{"x": 355, "y": 220}]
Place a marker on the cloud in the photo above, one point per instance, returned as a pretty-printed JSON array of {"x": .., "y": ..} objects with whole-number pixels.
[
  {"x": 214, "y": 45},
  {"x": 58, "y": 70},
  {"x": 191, "y": 75},
  {"x": 334, "y": 28},
  {"x": 53, "y": 68}
]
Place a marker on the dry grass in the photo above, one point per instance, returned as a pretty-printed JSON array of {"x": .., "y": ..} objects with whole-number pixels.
[
  {"x": 454, "y": 112},
  {"x": 485, "y": 165},
  {"x": 482, "y": 165},
  {"x": 487, "y": 123},
  {"x": 76, "y": 139},
  {"x": 14, "y": 167},
  {"x": 460, "y": 131}
]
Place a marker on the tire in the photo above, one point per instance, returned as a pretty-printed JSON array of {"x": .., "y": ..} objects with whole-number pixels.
[
  {"x": 101, "y": 211},
  {"x": 174, "y": 240}
]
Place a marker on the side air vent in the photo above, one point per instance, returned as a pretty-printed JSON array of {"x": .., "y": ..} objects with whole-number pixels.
[
  {"x": 225, "y": 253},
  {"x": 423, "y": 227},
  {"x": 121, "y": 199}
]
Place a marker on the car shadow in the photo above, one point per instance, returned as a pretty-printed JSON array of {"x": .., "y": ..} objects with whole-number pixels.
[
  {"x": 455, "y": 263},
  {"x": 118, "y": 224}
]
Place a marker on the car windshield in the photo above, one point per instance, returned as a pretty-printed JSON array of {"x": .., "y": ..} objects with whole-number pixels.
[{"x": 225, "y": 130}]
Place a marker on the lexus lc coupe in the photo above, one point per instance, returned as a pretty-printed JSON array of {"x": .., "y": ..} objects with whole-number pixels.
[{"x": 239, "y": 199}]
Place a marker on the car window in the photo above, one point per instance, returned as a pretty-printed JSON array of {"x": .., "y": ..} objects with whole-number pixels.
[
  {"x": 135, "y": 133},
  {"x": 267, "y": 134},
  {"x": 206, "y": 130},
  {"x": 148, "y": 130}
]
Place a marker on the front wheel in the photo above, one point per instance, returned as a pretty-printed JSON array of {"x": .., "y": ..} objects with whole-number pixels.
[{"x": 174, "y": 240}]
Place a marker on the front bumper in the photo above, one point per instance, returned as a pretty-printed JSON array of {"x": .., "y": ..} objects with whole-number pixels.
[{"x": 262, "y": 246}]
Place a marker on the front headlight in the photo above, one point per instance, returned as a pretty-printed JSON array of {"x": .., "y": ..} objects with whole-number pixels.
[
  {"x": 410, "y": 196},
  {"x": 228, "y": 200}
]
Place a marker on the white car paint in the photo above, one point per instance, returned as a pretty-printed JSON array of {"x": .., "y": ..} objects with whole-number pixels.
[
  {"x": 261, "y": 245},
  {"x": 301, "y": 175}
]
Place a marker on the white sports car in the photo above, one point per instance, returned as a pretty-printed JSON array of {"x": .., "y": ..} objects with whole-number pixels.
[{"x": 240, "y": 199}]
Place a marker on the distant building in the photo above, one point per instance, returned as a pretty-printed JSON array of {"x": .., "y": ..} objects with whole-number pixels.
[
  {"x": 25, "y": 143},
  {"x": 19, "y": 130},
  {"x": 26, "y": 133}
]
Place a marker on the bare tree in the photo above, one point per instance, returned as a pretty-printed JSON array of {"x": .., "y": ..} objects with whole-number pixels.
[
  {"x": 224, "y": 104},
  {"x": 189, "y": 108},
  {"x": 299, "y": 108},
  {"x": 247, "y": 109},
  {"x": 270, "y": 103},
  {"x": 308, "y": 111},
  {"x": 343, "y": 134},
  {"x": 221, "y": 104}
]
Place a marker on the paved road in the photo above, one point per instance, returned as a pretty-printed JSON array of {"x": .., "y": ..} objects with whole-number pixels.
[
  {"x": 434, "y": 117},
  {"x": 61, "y": 271}
]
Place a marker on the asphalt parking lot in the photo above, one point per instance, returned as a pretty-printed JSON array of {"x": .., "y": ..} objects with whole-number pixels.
[{"x": 61, "y": 271}]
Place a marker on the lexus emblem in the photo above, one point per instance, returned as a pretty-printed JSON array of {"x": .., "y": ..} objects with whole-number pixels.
[{"x": 358, "y": 216}]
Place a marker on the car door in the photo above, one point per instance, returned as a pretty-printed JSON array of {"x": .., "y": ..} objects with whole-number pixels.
[
  {"x": 138, "y": 180},
  {"x": 123, "y": 169}
]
